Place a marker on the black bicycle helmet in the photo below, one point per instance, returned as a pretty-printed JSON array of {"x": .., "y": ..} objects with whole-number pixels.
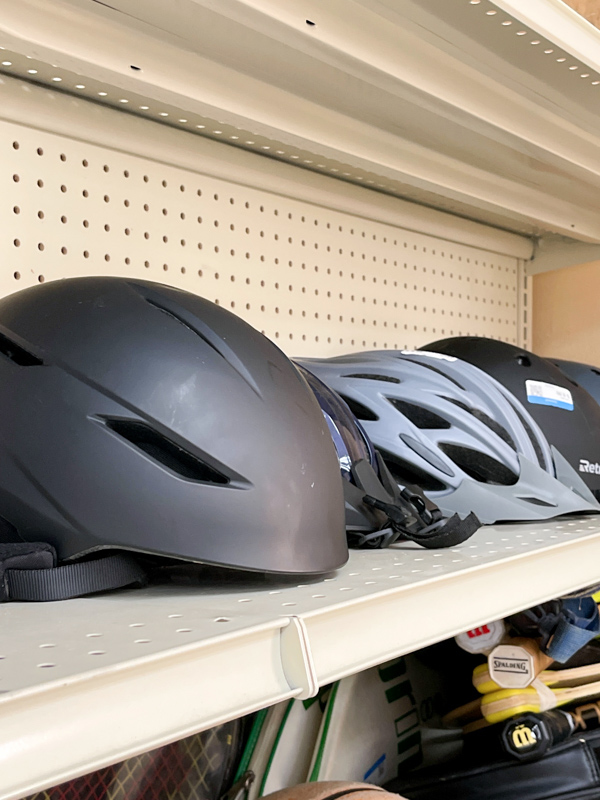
[
  {"x": 566, "y": 413},
  {"x": 139, "y": 417},
  {"x": 584, "y": 374}
]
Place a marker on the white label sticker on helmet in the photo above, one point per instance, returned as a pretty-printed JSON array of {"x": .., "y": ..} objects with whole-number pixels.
[
  {"x": 441, "y": 356},
  {"x": 548, "y": 394}
]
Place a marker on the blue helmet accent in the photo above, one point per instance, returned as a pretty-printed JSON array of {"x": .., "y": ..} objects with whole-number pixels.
[{"x": 351, "y": 442}]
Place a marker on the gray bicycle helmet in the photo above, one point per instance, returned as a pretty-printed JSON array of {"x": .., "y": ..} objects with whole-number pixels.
[
  {"x": 139, "y": 417},
  {"x": 446, "y": 426},
  {"x": 377, "y": 512}
]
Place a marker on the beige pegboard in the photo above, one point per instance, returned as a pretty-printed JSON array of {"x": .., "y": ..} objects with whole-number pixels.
[{"x": 316, "y": 280}]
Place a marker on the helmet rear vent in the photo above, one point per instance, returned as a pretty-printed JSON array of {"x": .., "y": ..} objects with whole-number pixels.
[
  {"x": 421, "y": 417},
  {"x": 364, "y": 376},
  {"x": 523, "y": 360},
  {"x": 479, "y": 466},
  {"x": 165, "y": 452},
  {"x": 359, "y": 411},
  {"x": 18, "y": 354}
]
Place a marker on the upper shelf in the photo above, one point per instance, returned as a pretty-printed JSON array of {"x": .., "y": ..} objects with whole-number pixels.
[
  {"x": 487, "y": 110},
  {"x": 87, "y": 682}
]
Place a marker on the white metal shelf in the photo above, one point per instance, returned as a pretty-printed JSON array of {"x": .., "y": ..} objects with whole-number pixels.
[
  {"x": 474, "y": 107},
  {"x": 87, "y": 682}
]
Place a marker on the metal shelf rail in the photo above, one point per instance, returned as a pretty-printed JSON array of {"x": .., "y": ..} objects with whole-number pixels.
[{"x": 88, "y": 682}]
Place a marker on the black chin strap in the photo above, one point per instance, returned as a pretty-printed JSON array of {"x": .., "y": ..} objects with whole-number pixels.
[
  {"x": 411, "y": 518},
  {"x": 28, "y": 572}
]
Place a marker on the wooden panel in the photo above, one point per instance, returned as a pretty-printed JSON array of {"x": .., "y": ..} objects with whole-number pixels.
[
  {"x": 566, "y": 323},
  {"x": 590, "y": 9}
]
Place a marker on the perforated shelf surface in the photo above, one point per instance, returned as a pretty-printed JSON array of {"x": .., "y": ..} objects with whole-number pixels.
[{"x": 125, "y": 672}]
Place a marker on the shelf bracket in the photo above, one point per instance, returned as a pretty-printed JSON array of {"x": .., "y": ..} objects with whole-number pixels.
[
  {"x": 297, "y": 660},
  {"x": 556, "y": 252}
]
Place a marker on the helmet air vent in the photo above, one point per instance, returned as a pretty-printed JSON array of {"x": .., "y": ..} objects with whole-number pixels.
[
  {"x": 421, "y": 417},
  {"x": 364, "y": 376},
  {"x": 523, "y": 360},
  {"x": 479, "y": 466},
  {"x": 498, "y": 429},
  {"x": 165, "y": 452},
  {"x": 18, "y": 354},
  {"x": 406, "y": 474},
  {"x": 359, "y": 411}
]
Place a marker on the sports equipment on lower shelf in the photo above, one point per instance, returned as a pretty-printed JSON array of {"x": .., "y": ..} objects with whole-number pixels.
[
  {"x": 384, "y": 721},
  {"x": 199, "y": 767},
  {"x": 503, "y": 704},
  {"x": 144, "y": 418},
  {"x": 280, "y": 745},
  {"x": 530, "y": 736},
  {"x": 568, "y": 415},
  {"x": 569, "y": 771},
  {"x": 333, "y": 790},
  {"x": 513, "y": 664},
  {"x": 482, "y": 639},
  {"x": 557, "y": 678},
  {"x": 447, "y": 427}
]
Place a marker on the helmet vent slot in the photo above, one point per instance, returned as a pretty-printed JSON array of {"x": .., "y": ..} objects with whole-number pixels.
[
  {"x": 533, "y": 439},
  {"x": 364, "y": 376},
  {"x": 406, "y": 474},
  {"x": 165, "y": 452},
  {"x": 498, "y": 429},
  {"x": 18, "y": 354},
  {"x": 479, "y": 466},
  {"x": 181, "y": 321},
  {"x": 537, "y": 501},
  {"x": 523, "y": 360},
  {"x": 443, "y": 374},
  {"x": 421, "y": 417},
  {"x": 359, "y": 411}
]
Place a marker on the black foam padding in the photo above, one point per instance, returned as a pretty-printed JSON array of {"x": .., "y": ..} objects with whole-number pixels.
[
  {"x": 359, "y": 411},
  {"x": 498, "y": 429},
  {"x": 479, "y": 466},
  {"x": 406, "y": 474},
  {"x": 423, "y": 418}
]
